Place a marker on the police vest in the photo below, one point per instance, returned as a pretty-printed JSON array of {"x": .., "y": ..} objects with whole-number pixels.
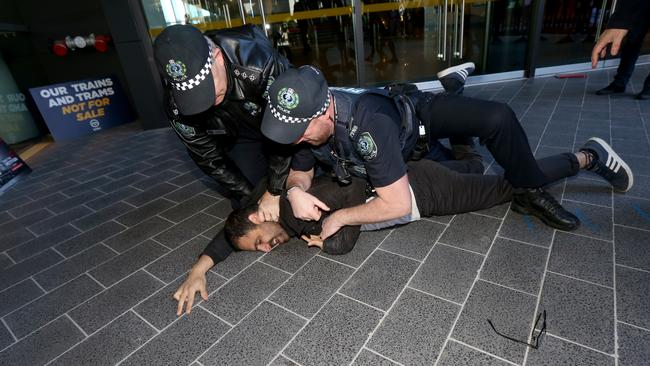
[{"x": 341, "y": 151}]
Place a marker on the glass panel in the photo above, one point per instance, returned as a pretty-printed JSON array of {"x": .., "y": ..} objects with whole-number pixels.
[
  {"x": 204, "y": 14},
  {"x": 569, "y": 30},
  {"x": 413, "y": 40},
  {"x": 312, "y": 32}
]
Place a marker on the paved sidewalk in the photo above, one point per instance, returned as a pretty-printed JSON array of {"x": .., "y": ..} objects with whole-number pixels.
[{"x": 96, "y": 240}]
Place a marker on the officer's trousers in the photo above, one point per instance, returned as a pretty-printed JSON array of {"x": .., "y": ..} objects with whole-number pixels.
[
  {"x": 496, "y": 126},
  {"x": 440, "y": 191}
]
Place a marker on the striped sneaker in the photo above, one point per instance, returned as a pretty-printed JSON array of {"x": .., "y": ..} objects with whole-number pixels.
[
  {"x": 453, "y": 78},
  {"x": 606, "y": 163}
]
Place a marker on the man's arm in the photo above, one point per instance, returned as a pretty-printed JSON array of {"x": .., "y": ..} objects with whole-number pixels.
[
  {"x": 194, "y": 283},
  {"x": 392, "y": 201},
  {"x": 304, "y": 205}
]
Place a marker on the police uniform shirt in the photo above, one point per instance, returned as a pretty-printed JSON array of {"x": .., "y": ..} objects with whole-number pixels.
[{"x": 375, "y": 133}]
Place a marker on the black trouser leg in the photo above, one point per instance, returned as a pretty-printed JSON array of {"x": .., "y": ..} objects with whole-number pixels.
[
  {"x": 441, "y": 191},
  {"x": 249, "y": 157},
  {"x": 629, "y": 54},
  {"x": 495, "y": 124}
]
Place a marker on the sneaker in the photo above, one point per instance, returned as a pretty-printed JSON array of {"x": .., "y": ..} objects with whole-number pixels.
[
  {"x": 608, "y": 164},
  {"x": 539, "y": 203},
  {"x": 611, "y": 89},
  {"x": 453, "y": 78}
]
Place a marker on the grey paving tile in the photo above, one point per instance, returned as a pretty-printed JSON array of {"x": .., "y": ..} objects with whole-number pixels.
[
  {"x": 413, "y": 240},
  {"x": 311, "y": 287},
  {"x": 283, "y": 361},
  {"x": 56, "y": 187},
  {"x": 4, "y": 216},
  {"x": 187, "y": 191},
  {"x": 290, "y": 256},
  {"x": 52, "y": 305},
  {"x": 244, "y": 292},
  {"x": 182, "y": 342},
  {"x": 257, "y": 339},
  {"x": 142, "y": 213},
  {"x": 86, "y": 186},
  {"x": 111, "y": 198},
  {"x": 186, "y": 230},
  {"x": 111, "y": 344},
  {"x": 497, "y": 211},
  {"x": 73, "y": 267},
  {"x": 554, "y": 351},
  {"x": 178, "y": 261},
  {"x": 597, "y": 192},
  {"x": 135, "y": 235},
  {"x": 150, "y": 194},
  {"x": 448, "y": 272},
  {"x": 344, "y": 323},
  {"x": 631, "y": 247},
  {"x": 17, "y": 296},
  {"x": 516, "y": 265},
  {"x": 6, "y": 338},
  {"x": 32, "y": 206},
  {"x": 555, "y": 139},
  {"x": 583, "y": 258},
  {"x": 641, "y": 187},
  {"x": 160, "y": 309},
  {"x": 123, "y": 178},
  {"x": 42, "y": 242},
  {"x": 633, "y": 296},
  {"x": 5, "y": 261},
  {"x": 472, "y": 232},
  {"x": 367, "y": 358},
  {"x": 155, "y": 179},
  {"x": 510, "y": 311},
  {"x": 95, "y": 173},
  {"x": 580, "y": 311},
  {"x": 632, "y": 345},
  {"x": 220, "y": 209},
  {"x": 103, "y": 308},
  {"x": 22, "y": 270},
  {"x": 184, "y": 180},
  {"x": 16, "y": 201},
  {"x": 235, "y": 263},
  {"x": 213, "y": 231},
  {"x": 23, "y": 222},
  {"x": 632, "y": 212},
  {"x": 457, "y": 354},
  {"x": 368, "y": 241},
  {"x": 89, "y": 238},
  {"x": 188, "y": 208},
  {"x": 379, "y": 281},
  {"x": 595, "y": 221},
  {"x": 15, "y": 238},
  {"x": 415, "y": 330},
  {"x": 638, "y": 164},
  {"x": 74, "y": 201},
  {"x": 103, "y": 215},
  {"x": 526, "y": 228},
  {"x": 128, "y": 262},
  {"x": 50, "y": 341}
]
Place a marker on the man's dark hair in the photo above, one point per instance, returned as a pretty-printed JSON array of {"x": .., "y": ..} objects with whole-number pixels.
[{"x": 237, "y": 224}]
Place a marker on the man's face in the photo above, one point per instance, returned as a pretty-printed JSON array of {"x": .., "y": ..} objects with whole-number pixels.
[
  {"x": 219, "y": 76},
  {"x": 320, "y": 129},
  {"x": 263, "y": 237}
]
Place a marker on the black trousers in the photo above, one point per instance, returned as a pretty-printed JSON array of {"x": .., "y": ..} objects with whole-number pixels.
[
  {"x": 441, "y": 191},
  {"x": 496, "y": 126},
  {"x": 630, "y": 53}
]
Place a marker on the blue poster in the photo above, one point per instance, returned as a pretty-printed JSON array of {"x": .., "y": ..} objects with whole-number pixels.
[{"x": 83, "y": 107}]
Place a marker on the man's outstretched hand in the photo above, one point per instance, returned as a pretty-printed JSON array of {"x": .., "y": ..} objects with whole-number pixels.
[
  {"x": 195, "y": 282},
  {"x": 615, "y": 37}
]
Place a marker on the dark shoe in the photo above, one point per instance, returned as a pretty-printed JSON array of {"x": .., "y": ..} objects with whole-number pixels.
[
  {"x": 645, "y": 94},
  {"x": 611, "y": 89},
  {"x": 539, "y": 203},
  {"x": 453, "y": 78},
  {"x": 343, "y": 241},
  {"x": 606, "y": 163}
]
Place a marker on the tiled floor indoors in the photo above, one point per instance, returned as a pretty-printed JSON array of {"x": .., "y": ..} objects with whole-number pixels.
[{"x": 95, "y": 241}]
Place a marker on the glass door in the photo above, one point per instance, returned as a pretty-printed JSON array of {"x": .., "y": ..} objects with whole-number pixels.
[{"x": 413, "y": 40}]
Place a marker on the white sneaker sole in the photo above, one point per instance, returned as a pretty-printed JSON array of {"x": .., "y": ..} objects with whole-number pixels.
[
  {"x": 466, "y": 65},
  {"x": 613, "y": 153}
]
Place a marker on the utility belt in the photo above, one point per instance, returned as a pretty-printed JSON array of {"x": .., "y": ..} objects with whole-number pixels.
[{"x": 410, "y": 96}]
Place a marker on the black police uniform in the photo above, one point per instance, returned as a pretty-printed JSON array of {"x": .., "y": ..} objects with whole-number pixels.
[{"x": 225, "y": 141}]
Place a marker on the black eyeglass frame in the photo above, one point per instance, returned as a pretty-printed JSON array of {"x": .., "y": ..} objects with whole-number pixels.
[{"x": 533, "y": 338}]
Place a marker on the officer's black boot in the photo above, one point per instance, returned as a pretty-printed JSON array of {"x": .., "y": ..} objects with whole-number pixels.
[{"x": 539, "y": 203}]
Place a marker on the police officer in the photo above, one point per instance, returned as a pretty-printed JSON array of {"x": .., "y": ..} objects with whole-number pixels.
[
  {"x": 216, "y": 84},
  {"x": 365, "y": 135}
]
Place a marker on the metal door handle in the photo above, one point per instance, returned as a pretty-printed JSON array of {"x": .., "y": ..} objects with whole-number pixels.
[
  {"x": 462, "y": 28},
  {"x": 444, "y": 37}
]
